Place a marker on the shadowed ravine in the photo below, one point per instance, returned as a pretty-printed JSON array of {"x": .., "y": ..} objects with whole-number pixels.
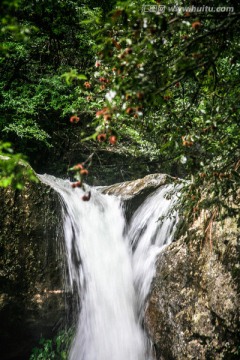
[{"x": 111, "y": 264}]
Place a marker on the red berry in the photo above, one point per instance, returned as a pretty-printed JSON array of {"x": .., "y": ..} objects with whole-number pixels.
[
  {"x": 103, "y": 80},
  {"x": 129, "y": 111},
  {"x": 84, "y": 172},
  {"x": 101, "y": 137},
  {"x": 76, "y": 184},
  {"x": 113, "y": 139},
  {"x": 74, "y": 119},
  {"x": 102, "y": 112},
  {"x": 87, "y": 85},
  {"x": 196, "y": 25},
  {"x": 86, "y": 197}
]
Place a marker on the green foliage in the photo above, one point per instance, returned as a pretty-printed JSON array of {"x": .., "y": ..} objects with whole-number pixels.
[
  {"x": 56, "y": 349},
  {"x": 166, "y": 85},
  {"x": 14, "y": 170},
  {"x": 73, "y": 75},
  {"x": 41, "y": 42},
  {"x": 10, "y": 26},
  {"x": 35, "y": 98}
]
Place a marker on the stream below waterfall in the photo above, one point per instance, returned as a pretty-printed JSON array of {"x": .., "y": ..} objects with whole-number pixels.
[{"x": 110, "y": 264}]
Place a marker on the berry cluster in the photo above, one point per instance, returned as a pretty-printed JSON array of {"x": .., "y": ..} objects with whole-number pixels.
[{"x": 80, "y": 173}]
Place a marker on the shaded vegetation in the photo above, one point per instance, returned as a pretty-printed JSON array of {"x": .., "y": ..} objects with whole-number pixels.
[
  {"x": 56, "y": 348},
  {"x": 166, "y": 85},
  {"x": 158, "y": 87}
]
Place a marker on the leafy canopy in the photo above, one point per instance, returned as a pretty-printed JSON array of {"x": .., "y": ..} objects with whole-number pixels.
[{"x": 167, "y": 85}]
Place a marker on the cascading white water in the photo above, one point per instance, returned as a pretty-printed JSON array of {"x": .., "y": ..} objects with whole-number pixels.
[
  {"x": 152, "y": 227},
  {"x": 110, "y": 271}
]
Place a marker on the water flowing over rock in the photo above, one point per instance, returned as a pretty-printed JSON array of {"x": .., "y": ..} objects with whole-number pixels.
[
  {"x": 133, "y": 193},
  {"x": 188, "y": 303},
  {"x": 111, "y": 268},
  {"x": 192, "y": 310}
]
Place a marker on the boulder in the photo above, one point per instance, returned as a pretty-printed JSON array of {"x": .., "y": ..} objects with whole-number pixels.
[
  {"x": 133, "y": 193},
  {"x": 32, "y": 298},
  {"x": 193, "y": 308}
]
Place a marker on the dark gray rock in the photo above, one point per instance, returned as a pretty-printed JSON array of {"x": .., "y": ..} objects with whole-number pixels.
[{"x": 32, "y": 299}]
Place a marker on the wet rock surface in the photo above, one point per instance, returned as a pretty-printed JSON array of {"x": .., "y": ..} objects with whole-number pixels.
[
  {"x": 193, "y": 308},
  {"x": 32, "y": 301},
  {"x": 135, "y": 192},
  {"x": 129, "y": 189}
]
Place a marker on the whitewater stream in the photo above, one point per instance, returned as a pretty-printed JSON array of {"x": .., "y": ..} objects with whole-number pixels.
[{"x": 111, "y": 266}]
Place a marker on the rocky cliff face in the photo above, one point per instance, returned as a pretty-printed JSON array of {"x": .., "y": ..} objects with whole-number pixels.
[
  {"x": 193, "y": 308},
  {"x": 32, "y": 302}
]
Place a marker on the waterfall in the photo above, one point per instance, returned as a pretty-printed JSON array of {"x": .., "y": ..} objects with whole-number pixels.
[
  {"x": 152, "y": 227},
  {"x": 111, "y": 269}
]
